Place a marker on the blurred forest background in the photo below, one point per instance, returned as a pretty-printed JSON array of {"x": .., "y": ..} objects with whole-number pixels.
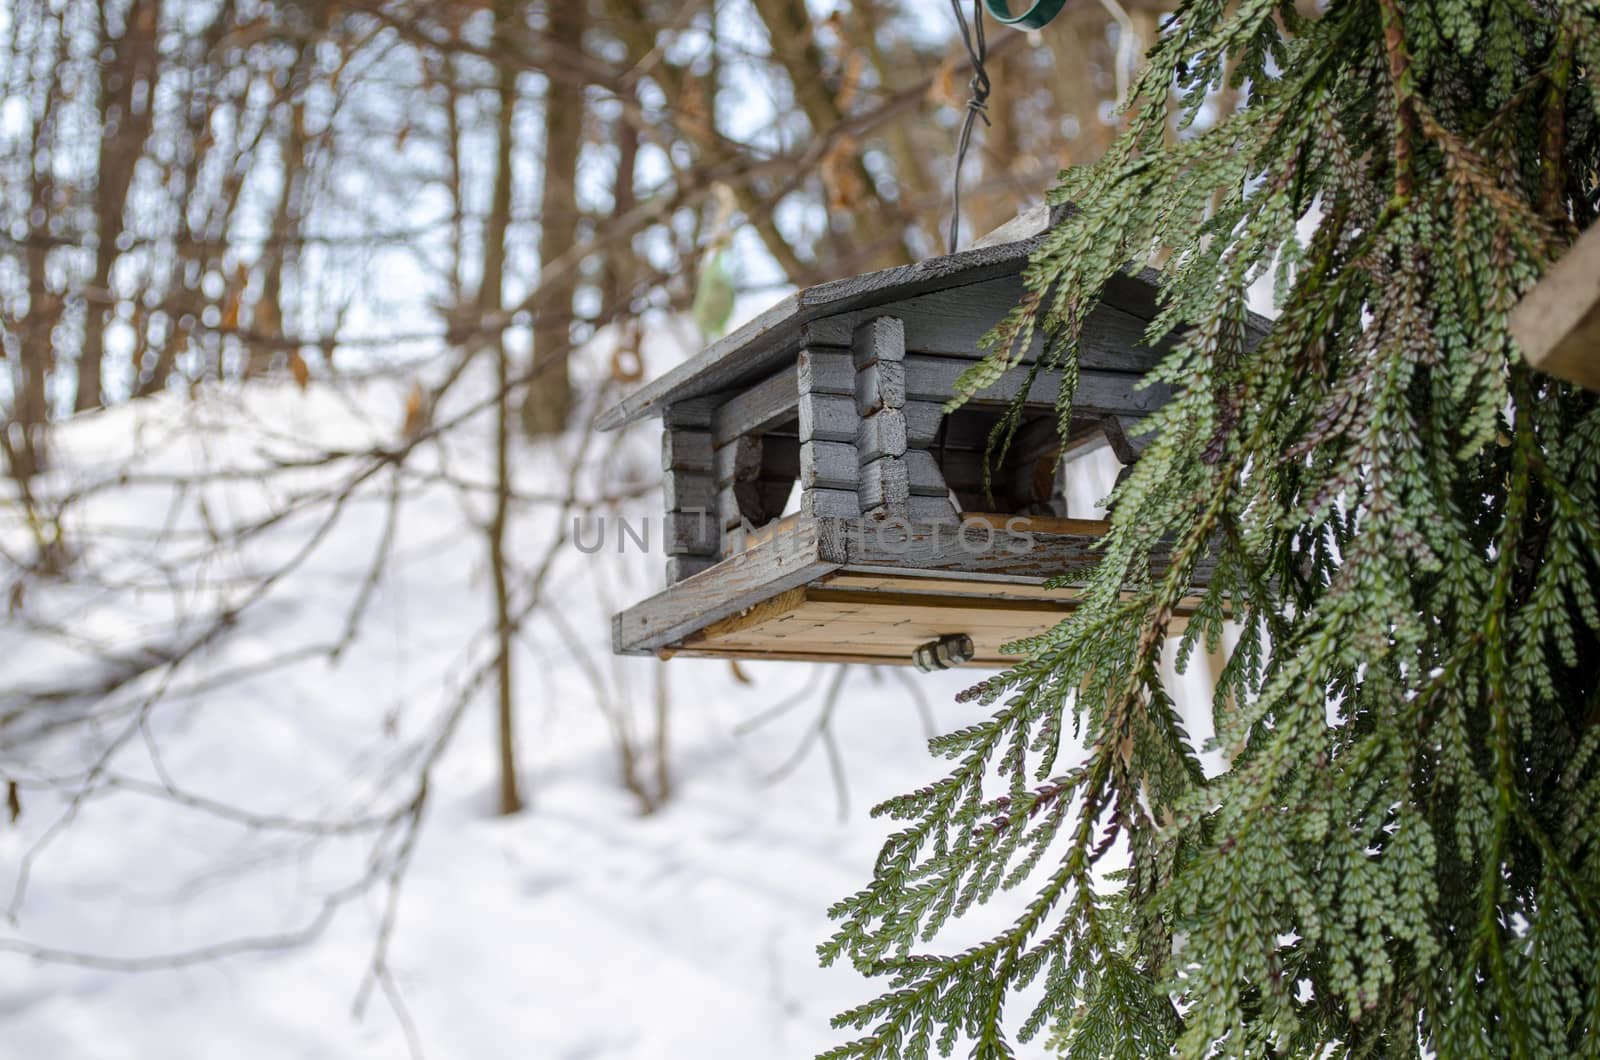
[
  {"x": 286, "y": 288},
  {"x": 220, "y": 191}
]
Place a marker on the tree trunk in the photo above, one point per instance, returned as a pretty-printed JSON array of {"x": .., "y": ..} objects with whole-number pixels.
[
  {"x": 186, "y": 263},
  {"x": 266, "y": 319},
  {"x": 126, "y": 114},
  {"x": 547, "y": 404},
  {"x": 878, "y": 240},
  {"x": 510, "y": 796},
  {"x": 490, "y": 301},
  {"x": 1082, "y": 59},
  {"x": 30, "y": 408},
  {"x": 1000, "y": 145},
  {"x": 633, "y": 26}
]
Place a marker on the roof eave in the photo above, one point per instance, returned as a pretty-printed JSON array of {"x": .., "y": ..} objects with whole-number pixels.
[{"x": 781, "y": 325}]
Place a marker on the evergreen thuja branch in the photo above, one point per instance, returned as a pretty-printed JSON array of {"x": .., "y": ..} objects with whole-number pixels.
[
  {"x": 987, "y": 971},
  {"x": 1405, "y": 103},
  {"x": 1397, "y": 855}
]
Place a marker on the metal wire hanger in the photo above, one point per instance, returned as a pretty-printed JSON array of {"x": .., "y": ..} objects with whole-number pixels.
[{"x": 977, "y": 103}]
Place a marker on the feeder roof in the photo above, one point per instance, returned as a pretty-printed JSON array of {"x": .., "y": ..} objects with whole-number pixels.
[{"x": 773, "y": 339}]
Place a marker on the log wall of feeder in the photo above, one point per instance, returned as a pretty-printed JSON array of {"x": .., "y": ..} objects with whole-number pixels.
[
  {"x": 878, "y": 349},
  {"x": 737, "y": 467},
  {"x": 898, "y": 477},
  {"x": 829, "y": 424},
  {"x": 689, "y": 530},
  {"x": 840, "y": 390}
]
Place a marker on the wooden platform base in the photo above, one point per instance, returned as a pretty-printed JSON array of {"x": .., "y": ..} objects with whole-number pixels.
[
  {"x": 876, "y": 618},
  {"x": 848, "y": 591}
]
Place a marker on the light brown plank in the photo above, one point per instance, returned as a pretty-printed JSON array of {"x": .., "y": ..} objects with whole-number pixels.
[{"x": 1557, "y": 323}]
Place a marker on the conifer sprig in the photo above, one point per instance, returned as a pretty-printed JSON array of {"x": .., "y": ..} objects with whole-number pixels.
[{"x": 1399, "y": 520}]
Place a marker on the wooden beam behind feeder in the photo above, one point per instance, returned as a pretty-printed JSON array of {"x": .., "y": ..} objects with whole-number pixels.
[
  {"x": 897, "y": 537},
  {"x": 1557, "y": 323}
]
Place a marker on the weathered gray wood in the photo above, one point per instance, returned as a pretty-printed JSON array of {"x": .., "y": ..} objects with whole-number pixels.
[
  {"x": 954, "y": 322},
  {"x": 969, "y": 549},
  {"x": 967, "y": 428},
  {"x": 1084, "y": 436},
  {"x": 774, "y": 338},
  {"x": 884, "y": 484},
  {"x": 923, "y": 475},
  {"x": 1023, "y": 482},
  {"x": 739, "y": 503},
  {"x": 738, "y": 461},
  {"x": 690, "y": 533},
  {"x": 809, "y": 551},
  {"x": 823, "y": 370},
  {"x": 681, "y": 567},
  {"x": 1034, "y": 438},
  {"x": 931, "y": 510},
  {"x": 1128, "y": 437},
  {"x": 966, "y": 551},
  {"x": 738, "y": 477},
  {"x": 763, "y": 406},
  {"x": 947, "y": 304},
  {"x": 934, "y": 379},
  {"x": 685, "y": 450},
  {"x": 1026, "y": 479},
  {"x": 882, "y": 434},
  {"x": 688, "y": 489},
  {"x": 972, "y": 428},
  {"x": 828, "y": 465},
  {"x": 881, "y": 338},
  {"x": 692, "y": 412},
  {"x": 832, "y": 504},
  {"x": 962, "y": 469},
  {"x": 727, "y": 514},
  {"x": 1033, "y": 221},
  {"x": 814, "y": 548},
  {"x": 931, "y": 378},
  {"x": 828, "y": 418},
  {"x": 922, "y": 423},
  {"x": 880, "y": 385},
  {"x": 1116, "y": 392}
]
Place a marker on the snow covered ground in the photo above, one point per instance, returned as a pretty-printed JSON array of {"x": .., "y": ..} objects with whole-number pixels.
[
  {"x": 578, "y": 929},
  {"x": 239, "y": 810}
]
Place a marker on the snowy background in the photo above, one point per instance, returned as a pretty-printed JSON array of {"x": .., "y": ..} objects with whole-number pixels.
[
  {"x": 239, "y": 859},
  {"x": 580, "y": 928}
]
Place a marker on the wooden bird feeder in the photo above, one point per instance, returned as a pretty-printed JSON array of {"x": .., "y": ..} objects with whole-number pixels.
[{"x": 892, "y": 541}]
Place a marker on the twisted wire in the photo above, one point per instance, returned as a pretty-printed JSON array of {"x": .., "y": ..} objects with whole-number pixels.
[{"x": 977, "y": 104}]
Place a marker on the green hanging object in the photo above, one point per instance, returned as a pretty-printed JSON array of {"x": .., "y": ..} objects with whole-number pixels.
[
  {"x": 713, "y": 298},
  {"x": 1037, "y": 16}
]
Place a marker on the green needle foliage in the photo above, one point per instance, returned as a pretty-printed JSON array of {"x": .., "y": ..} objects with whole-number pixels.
[{"x": 1401, "y": 518}]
